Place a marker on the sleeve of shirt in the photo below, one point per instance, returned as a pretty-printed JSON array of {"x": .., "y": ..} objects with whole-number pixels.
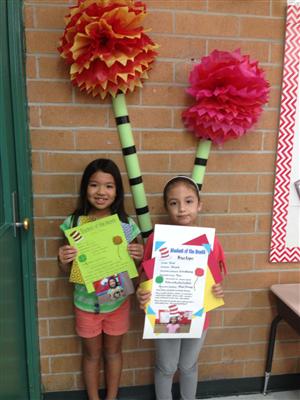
[
  {"x": 148, "y": 248},
  {"x": 147, "y": 264},
  {"x": 67, "y": 224},
  {"x": 135, "y": 230}
]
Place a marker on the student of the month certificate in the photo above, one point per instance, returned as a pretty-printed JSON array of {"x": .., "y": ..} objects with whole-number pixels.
[{"x": 176, "y": 309}]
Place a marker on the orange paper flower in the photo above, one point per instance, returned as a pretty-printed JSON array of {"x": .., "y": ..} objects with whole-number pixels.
[{"x": 106, "y": 47}]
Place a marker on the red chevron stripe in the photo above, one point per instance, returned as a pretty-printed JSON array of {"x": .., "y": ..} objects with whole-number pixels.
[{"x": 278, "y": 252}]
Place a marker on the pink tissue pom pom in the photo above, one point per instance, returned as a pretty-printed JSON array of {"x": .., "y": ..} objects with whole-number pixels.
[{"x": 230, "y": 91}]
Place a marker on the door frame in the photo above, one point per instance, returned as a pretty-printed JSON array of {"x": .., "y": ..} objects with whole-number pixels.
[{"x": 16, "y": 39}]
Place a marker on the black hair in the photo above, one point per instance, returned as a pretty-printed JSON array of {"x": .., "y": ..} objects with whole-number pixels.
[
  {"x": 83, "y": 206},
  {"x": 114, "y": 279},
  {"x": 177, "y": 179}
]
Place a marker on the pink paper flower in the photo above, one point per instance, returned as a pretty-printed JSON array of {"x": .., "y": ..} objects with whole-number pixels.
[{"x": 230, "y": 91}]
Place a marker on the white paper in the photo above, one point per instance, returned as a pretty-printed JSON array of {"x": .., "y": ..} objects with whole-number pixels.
[{"x": 176, "y": 309}]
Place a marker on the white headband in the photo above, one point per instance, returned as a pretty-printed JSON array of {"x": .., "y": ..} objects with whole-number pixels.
[{"x": 183, "y": 177}]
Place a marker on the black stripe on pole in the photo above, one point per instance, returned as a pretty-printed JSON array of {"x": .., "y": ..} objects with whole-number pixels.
[
  {"x": 147, "y": 233},
  {"x": 127, "y": 151},
  {"x": 200, "y": 161},
  {"x": 142, "y": 210},
  {"x": 124, "y": 119},
  {"x": 135, "y": 181}
]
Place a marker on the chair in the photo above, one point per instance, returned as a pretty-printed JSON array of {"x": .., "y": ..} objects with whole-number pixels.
[{"x": 288, "y": 308}]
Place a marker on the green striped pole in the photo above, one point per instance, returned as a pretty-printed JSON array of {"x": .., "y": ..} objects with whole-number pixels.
[
  {"x": 200, "y": 162},
  {"x": 132, "y": 164}
]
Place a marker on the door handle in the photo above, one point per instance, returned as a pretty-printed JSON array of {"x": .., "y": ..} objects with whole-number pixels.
[
  {"x": 26, "y": 221},
  {"x": 25, "y": 224}
]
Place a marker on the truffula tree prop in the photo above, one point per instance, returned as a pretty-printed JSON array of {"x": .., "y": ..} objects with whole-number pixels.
[
  {"x": 230, "y": 91},
  {"x": 109, "y": 54}
]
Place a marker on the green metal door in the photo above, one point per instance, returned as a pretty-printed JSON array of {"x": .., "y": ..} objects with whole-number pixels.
[{"x": 19, "y": 366}]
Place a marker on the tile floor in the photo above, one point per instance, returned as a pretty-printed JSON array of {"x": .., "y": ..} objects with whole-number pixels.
[{"x": 291, "y": 395}]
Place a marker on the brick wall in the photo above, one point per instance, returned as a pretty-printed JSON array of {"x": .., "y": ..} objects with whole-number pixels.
[{"x": 69, "y": 129}]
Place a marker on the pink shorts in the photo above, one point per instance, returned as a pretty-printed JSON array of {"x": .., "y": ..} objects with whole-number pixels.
[{"x": 113, "y": 323}]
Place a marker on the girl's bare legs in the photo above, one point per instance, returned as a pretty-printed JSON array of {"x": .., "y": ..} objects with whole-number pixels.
[
  {"x": 91, "y": 353},
  {"x": 112, "y": 352}
]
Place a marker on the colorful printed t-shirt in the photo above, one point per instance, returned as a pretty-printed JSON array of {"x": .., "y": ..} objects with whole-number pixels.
[{"x": 89, "y": 301}]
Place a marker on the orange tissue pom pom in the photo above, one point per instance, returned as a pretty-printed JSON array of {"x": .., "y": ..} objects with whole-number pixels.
[{"x": 106, "y": 46}]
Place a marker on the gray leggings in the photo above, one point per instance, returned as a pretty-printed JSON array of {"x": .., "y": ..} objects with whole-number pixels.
[{"x": 173, "y": 354}]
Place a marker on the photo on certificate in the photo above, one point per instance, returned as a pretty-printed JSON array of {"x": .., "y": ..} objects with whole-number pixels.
[
  {"x": 113, "y": 287},
  {"x": 173, "y": 321},
  {"x": 176, "y": 308}
]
